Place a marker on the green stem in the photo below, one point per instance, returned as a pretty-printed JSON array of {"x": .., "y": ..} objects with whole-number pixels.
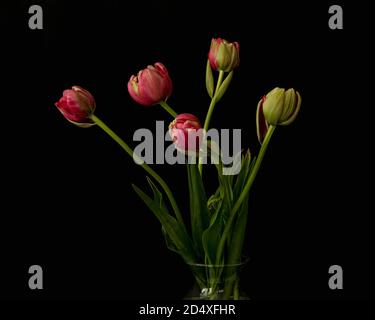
[
  {"x": 209, "y": 114},
  {"x": 236, "y": 291},
  {"x": 211, "y": 110},
  {"x": 255, "y": 170},
  {"x": 213, "y": 102},
  {"x": 228, "y": 288},
  {"x": 219, "y": 81},
  {"x": 166, "y": 106},
  {"x": 245, "y": 191},
  {"x": 145, "y": 166}
]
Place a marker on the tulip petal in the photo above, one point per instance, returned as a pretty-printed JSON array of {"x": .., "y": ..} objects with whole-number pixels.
[
  {"x": 209, "y": 80},
  {"x": 296, "y": 111},
  {"x": 186, "y": 133},
  {"x": 77, "y": 106},
  {"x": 289, "y": 105},
  {"x": 223, "y": 55},
  {"x": 261, "y": 123},
  {"x": 152, "y": 85},
  {"x": 273, "y": 106}
]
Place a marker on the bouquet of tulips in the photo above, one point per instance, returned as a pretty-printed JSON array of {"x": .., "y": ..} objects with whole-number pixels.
[{"x": 212, "y": 245}]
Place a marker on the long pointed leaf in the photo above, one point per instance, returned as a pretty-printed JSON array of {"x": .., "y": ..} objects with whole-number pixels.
[
  {"x": 209, "y": 80},
  {"x": 200, "y": 218},
  {"x": 172, "y": 227},
  {"x": 224, "y": 86},
  {"x": 241, "y": 178},
  {"x": 211, "y": 238},
  {"x": 225, "y": 191},
  {"x": 238, "y": 234}
]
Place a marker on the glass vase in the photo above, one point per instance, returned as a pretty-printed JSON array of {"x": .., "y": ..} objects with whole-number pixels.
[{"x": 217, "y": 282}]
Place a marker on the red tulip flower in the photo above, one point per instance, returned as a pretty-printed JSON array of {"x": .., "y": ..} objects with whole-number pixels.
[
  {"x": 224, "y": 55},
  {"x": 151, "y": 86},
  {"x": 186, "y": 132},
  {"x": 77, "y": 105}
]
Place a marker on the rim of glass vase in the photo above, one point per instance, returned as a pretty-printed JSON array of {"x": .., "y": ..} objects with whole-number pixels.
[{"x": 242, "y": 263}]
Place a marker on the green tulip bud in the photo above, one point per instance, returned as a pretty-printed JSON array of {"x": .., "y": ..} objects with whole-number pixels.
[{"x": 280, "y": 106}]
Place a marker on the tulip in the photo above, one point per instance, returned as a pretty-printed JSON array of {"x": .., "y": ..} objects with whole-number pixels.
[
  {"x": 224, "y": 55},
  {"x": 280, "y": 106},
  {"x": 151, "y": 86},
  {"x": 186, "y": 133},
  {"x": 77, "y": 105}
]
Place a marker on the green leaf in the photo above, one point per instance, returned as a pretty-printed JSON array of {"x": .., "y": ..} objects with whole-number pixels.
[
  {"x": 176, "y": 233},
  {"x": 238, "y": 234},
  {"x": 242, "y": 176},
  {"x": 168, "y": 241},
  {"x": 224, "y": 86},
  {"x": 199, "y": 214},
  {"x": 158, "y": 199},
  {"x": 235, "y": 244},
  {"x": 218, "y": 206},
  {"x": 240, "y": 183},
  {"x": 225, "y": 191},
  {"x": 158, "y": 196},
  {"x": 214, "y": 202},
  {"x": 211, "y": 238},
  {"x": 209, "y": 80}
]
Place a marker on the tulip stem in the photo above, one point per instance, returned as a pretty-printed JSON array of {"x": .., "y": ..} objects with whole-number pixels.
[
  {"x": 219, "y": 81},
  {"x": 211, "y": 110},
  {"x": 145, "y": 166},
  {"x": 213, "y": 102},
  {"x": 166, "y": 106},
  {"x": 255, "y": 170},
  {"x": 245, "y": 191}
]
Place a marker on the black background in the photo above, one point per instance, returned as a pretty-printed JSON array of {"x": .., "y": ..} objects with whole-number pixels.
[{"x": 67, "y": 202}]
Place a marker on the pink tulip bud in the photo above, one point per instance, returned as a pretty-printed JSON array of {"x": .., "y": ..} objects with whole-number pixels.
[
  {"x": 77, "y": 105},
  {"x": 186, "y": 132},
  {"x": 151, "y": 86},
  {"x": 224, "y": 55}
]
